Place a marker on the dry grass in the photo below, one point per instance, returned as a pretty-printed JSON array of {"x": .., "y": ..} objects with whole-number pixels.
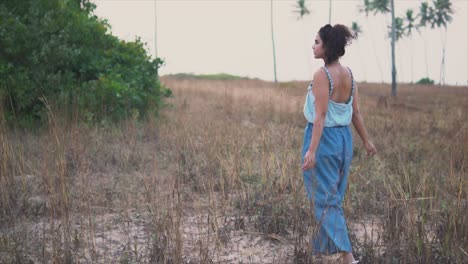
[{"x": 217, "y": 179}]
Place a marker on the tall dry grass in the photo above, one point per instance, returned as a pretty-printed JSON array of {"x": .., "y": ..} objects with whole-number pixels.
[{"x": 217, "y": 179}]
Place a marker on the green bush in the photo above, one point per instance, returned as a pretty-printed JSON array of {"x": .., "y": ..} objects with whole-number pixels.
[
  {"x": 59, "y": 50},
  {"x": 425, "y": 80}
]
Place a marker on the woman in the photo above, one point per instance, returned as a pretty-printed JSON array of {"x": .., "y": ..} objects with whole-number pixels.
[{"x": 331, "y": 104}]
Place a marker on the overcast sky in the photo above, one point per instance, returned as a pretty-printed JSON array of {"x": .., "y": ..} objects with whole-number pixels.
[{"x": 234, "y": 36}]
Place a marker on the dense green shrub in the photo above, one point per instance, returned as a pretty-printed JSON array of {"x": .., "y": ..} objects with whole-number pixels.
[
  {"x": 59, "y": 50},
  {"x": 425, "y": 80}
]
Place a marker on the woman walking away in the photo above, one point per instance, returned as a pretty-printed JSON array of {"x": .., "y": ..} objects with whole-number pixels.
[{"x": 331, "y": 104}]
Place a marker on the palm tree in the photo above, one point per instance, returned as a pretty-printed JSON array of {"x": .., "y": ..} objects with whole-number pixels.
[
  {"x": 410, "y": 19},
  {"x": 273, "y": 42},
  {"x": 410, "y": 22},
  {"x": 366, "y": 9},
  {"x": 155, "y": 39},
  {"x": 399, "y": 29},
  {"x": 385, "y": 6},
  {"x": 301, "y": 9},
  {"x": 380, "y": 6},
  {"x": 394, "y": 85},
  {"x": 442, "y": 15},
  {"x": 357, "y": 30},
  {"x": 399, "y": 33},
  {"x": 405, "y": 30},
  {"x": 426, "y": 14}
]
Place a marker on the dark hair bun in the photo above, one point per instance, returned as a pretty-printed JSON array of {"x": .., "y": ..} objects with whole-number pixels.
[{"x": 334, "y": 40}]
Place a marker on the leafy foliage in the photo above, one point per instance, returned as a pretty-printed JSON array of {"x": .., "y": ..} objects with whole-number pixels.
[
  {"x": 425, "y": 80},
  {"x": 382, "y": 6},
  {"x": 410, "y": 22},
  {"x": 301, "y": 9},
  {"x": 399, "y": 29},
  {"x": 356, "y": 28},
  {"x": 426, "y": 14},
  {"x": 59, "y": 50},
  {"x": 442, "y": 13}
]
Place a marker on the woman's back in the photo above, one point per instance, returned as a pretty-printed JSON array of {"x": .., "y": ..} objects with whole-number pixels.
[{"x": 341, "y": 83}]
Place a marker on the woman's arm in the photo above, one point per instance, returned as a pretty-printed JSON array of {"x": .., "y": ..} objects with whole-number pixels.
[
  {"x": 320, "y": 90},
  {"x": 358, "y": 122}
]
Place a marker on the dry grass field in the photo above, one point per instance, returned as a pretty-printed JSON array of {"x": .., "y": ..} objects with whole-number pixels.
[{"x": 217, "y": 179}]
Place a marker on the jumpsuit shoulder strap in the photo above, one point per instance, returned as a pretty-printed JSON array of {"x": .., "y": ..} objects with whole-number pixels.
[
  {"x": 352, "y": 84},
  {"x": 352, "y": 81},
  {"x": 330, "y": 88}
]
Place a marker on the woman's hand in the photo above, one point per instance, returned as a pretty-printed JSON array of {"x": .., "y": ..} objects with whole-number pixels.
[
  {"x": 370, "y": 148},
  {"x": 309, "y": 161}
]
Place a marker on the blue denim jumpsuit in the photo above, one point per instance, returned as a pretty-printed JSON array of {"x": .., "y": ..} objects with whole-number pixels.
[{"x": 326, "y": 182}]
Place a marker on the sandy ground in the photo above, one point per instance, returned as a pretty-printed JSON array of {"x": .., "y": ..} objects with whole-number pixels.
[{"x": 126, "y": 237}]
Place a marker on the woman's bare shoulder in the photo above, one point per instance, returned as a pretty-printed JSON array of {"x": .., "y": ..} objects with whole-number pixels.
[
  {"x": 346, "y": 69},
  {"x": 320, "y": 74}
]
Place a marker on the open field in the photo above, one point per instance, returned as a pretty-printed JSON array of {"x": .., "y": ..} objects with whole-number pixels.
[{"x": 217, "y": 179}]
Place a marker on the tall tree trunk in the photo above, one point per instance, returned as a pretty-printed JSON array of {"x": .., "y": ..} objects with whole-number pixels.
[
  {"x": 155, "y": 38},
  {"x": 375, "y": 51},
  {"x": 412, "y": 60},
  {"x": 306, "y": 36},
  {"x": 394, "y": 85},
  {"x": 425, "y": 53},
  {"x": 273, "y": 42},
  {"x": 363, "y": 64},
  {"x": 442, "y": 65}
]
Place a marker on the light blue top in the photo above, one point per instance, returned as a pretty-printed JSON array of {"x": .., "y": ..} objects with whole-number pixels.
[{"x": 338, "y": 114}]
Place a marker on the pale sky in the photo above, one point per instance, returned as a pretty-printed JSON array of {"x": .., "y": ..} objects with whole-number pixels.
[{"x": 234, "y": 36}]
